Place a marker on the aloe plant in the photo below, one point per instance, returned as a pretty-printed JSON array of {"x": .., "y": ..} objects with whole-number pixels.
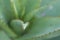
[{"x": 29, "y": 20}]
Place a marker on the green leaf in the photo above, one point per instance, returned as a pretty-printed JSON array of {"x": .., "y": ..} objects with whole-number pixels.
[
  {"x": 30, "y": 7},
  {"x": 17, "y": 26},
  {"x": 3, "y": 36},
  {"x": 3, "y": 23},
  {"x": 19, "y": 6},
  {"x": 5, "y": 27},
  {"x": 31, "y": 15},
  {"x": 7, "y": 12},
  {"x": 13, "y": 9},
  {"x": 43, "y": 28},
  {"x": 51, "y": 10},
  {"x": 22, "y": 8}
]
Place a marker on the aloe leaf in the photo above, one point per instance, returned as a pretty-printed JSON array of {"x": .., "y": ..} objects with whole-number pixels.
[
  {"x": 5, "y": 27},
  {"x": 51, "y": 10},
  {"x": 14, "y": 8},
  {"x": 31, "y": 15},
  {"x": 17, "y": 26},
  {"x": 19, "y": 6},
  {"x": 30, "y": 7},
  {"x": 40, "y": 12},
  {"x": 7, "y": 9},
  {"x": 4, "y": 36},
  {"x": 43, "y": 28},
  {"x": 22, "y": 7}
]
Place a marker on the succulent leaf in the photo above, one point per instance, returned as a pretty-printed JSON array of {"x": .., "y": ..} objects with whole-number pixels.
[
  {"x": 51, "y": 10},
  {"x": 29, "y": 19},
  {"x": 30, "y": 7},
  {"x": 6, "y": 28},
  {"x": 47, "y": 27},
  {"x": 17, "y": 26}
]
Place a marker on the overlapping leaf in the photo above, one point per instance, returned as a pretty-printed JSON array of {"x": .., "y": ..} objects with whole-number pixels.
[
  {"x": 51, "y": 10},
  {"x": 13, "y": 8},
  {"x": 30, "y": 7},
  {"x": 45, "y": 25},
  {"x": 5, "y": 27},
  {"x": 40, "y": 27}
]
